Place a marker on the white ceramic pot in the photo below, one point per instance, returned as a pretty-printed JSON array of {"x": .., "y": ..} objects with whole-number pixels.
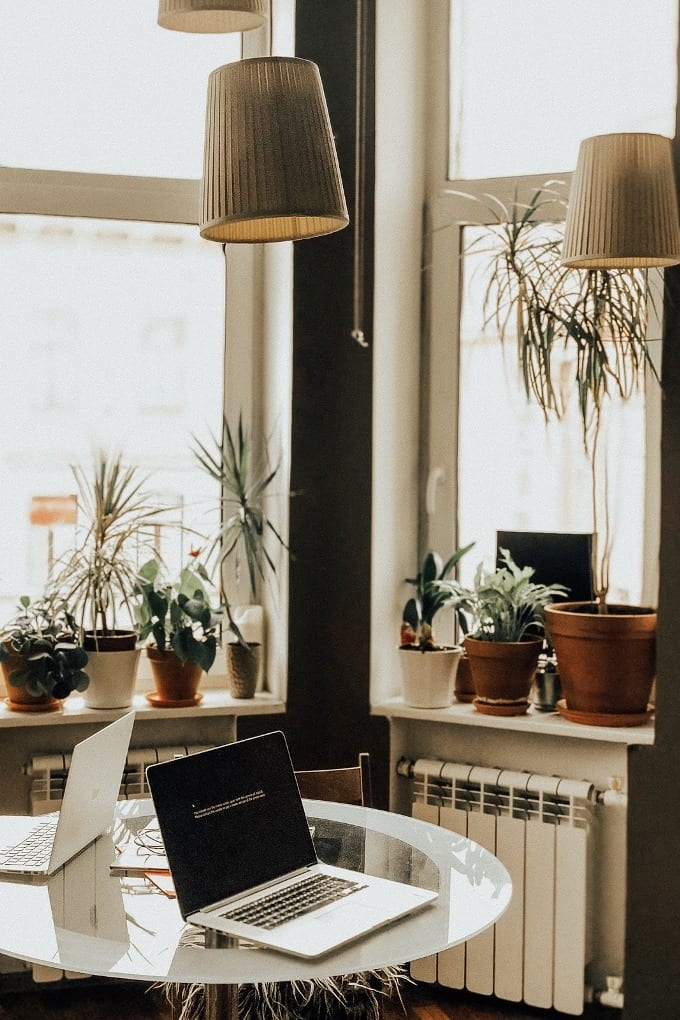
[
  {"x": 112, "y": 678},
  {"x": 428, "y": 677}
]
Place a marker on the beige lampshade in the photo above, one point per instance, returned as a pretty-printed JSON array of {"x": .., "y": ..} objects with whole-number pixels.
[
  {"x": 212, "y": 15},
  {"x": 270, "y": 170},
  {"x": 623, "y": 210}
]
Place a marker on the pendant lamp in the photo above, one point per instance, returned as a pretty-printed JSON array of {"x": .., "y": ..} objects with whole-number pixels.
[
  {"x": 270, "y": 170},
  {"x": 623, "y": 210},
  {"x": 212, "y": 15}
]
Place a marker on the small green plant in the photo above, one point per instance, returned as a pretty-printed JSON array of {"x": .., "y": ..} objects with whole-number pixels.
[
  {"x": 504, "y": 604},
  {"x": 43, "y": 635},
  {"x": 431, "y": 596},
  {"x": 177, "y": 615},
  {"x": 245, "y": 527},
  {"x": 99, "y": 577}
]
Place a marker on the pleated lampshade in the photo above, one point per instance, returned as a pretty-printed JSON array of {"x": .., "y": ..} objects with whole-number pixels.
[
  {"x": 623, "y": 210},
  {"x": 270, "y": 170},
  {"x": 212, "y": 15}
]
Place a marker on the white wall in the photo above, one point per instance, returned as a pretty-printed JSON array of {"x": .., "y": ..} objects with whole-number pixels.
[{"x": 401, "y": 97}]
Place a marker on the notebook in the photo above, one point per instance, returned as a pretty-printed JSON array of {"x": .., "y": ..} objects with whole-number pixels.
[
  {"x": 40, "y": 846},
  {"x": 236, "y": 834}
]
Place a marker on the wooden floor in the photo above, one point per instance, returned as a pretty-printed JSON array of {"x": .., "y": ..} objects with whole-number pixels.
[{"x": 128, "y": 1001}]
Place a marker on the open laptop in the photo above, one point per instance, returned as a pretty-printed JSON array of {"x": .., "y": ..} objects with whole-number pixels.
[
  {"x": 35, "y": 847},
  {"x": 242, "y": 857}
]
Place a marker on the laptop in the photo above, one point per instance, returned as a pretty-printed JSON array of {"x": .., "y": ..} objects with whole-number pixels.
[
  {"x": 35, "y": 847},
  {"x": 242, "y": 858}
]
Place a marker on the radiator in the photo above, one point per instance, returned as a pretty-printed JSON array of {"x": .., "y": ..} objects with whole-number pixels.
[
  {"x": 48, "y": 774},
  {"x": 540, "y": 828}
]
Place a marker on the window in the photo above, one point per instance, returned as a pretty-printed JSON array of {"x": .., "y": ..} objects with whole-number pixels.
[
  {"x": 100, "y": 88},
  {"x": 490, "y": 460},
  {"x": 530, "y": 79},
  {"x": 114, "y": 340},
  {"x": 518, "y": 473}
]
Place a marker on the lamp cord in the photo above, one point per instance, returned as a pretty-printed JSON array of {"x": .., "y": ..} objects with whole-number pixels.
[{"x": 359, "y": 168}]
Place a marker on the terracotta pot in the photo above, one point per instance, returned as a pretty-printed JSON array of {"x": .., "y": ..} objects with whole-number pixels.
[
  {"x": 243, "y": 666},
  {"x": 464, "y": 687},
  {"x": 112, "y": 668},
  {"x": 503, "y": 673},
  {"x": 428, "y": 677},
  {"x": 176, "y": 682},
  {"x": 607, "y": 662},
  {"x": 18, "y": 698}
]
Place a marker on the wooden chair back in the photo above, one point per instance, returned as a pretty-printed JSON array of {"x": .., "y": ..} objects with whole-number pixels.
[{"x": 345, "y": 786}]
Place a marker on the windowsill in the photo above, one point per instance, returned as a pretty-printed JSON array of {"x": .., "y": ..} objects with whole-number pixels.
[
  {"x": 533, "y": 722},
  {"x": 213, "y": 703}
]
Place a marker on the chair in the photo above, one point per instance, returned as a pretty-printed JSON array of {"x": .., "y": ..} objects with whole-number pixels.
[{"x": 345, "y": 786}]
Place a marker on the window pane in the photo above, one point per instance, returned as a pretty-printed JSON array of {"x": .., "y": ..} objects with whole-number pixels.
[
  {"x": 531, "y": 78},
  {"x": 100, "y": 88},
  {"x": 113, "y": 338},
  {"x": 515, "y": 473}
]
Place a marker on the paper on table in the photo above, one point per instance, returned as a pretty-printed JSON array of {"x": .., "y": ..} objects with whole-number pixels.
[{"x": 132, "y": 859}]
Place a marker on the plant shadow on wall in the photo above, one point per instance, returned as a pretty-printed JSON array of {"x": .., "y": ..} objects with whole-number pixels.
[
  {"x": 247, "y": 538},
  {"x": 582, "y": 332}
]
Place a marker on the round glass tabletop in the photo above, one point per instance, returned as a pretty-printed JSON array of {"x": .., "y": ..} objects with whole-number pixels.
[{"x": 84, "y": 919}]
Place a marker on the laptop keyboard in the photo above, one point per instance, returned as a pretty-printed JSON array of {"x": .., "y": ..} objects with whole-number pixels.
[
  {"x": 276, "y": 908},
  {"x": 33, "y": 851}
]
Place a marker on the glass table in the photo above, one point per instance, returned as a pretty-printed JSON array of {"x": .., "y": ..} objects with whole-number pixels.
[{"x": 83, "y": 919}]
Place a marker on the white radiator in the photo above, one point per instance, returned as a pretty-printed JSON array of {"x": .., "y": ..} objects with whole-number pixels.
[
  {"x": 540, "y": 828},
  {"x": 49, "y": 771}
]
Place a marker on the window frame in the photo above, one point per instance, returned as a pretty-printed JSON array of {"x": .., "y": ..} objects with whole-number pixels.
[
  {"x": 257, "y": 365},
  {"x": 447, "y": 212}
]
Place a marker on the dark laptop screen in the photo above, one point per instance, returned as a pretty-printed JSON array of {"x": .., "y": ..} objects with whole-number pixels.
[
  {"x": 231, "y": 819},
  {"x": 557, "y": 558}
]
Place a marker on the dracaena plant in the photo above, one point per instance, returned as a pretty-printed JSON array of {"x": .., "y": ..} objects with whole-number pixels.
[
  {"x": 98, "y": 578},
  {"x": 246, "y": 532},
  {"x": 177, "y": 614},
  {"x": 591, "y": 323},
  {"x": 504, "y": 604},
  {"x": 430, "y": 597}
]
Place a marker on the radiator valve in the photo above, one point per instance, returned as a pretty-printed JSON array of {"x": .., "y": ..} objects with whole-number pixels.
[{"x": 612, "y": 995}]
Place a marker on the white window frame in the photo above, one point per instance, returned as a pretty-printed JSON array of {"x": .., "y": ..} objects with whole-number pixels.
[
  {"x": 447, "y": 214},
  {"x": 258, "y": 309}
]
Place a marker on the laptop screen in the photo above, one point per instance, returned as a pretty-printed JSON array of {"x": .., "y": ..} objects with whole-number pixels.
[{"x": 231, "y": 819}]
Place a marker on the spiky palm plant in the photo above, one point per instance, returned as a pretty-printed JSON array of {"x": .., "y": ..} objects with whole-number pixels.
[
  {"x": 245, "y": 526},
  {"x": 98, "y": 578}
]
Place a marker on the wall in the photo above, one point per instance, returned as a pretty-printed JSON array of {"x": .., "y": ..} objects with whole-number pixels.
[
  {"x": 653, "y": 937},
  {"x": 328, "y": 720}
]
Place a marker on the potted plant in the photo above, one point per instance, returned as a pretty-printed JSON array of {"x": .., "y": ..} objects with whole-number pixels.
[
  {"x": 98, "y": 578},
  {"x": 548, "y": 309},
  {"x": 41, "y": 658},
  {"x": 506, "y": 610},
  {"x": 246, "y": 535},
  {"x": 177, "y": 617},
  {"x": 605, "y": 653},
  {"x": 429, "y": 669}
]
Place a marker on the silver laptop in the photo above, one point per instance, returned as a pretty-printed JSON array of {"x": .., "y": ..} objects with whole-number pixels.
[
  {"x": 242, "y": 857},
  {"x": 39, "y": 846}
]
